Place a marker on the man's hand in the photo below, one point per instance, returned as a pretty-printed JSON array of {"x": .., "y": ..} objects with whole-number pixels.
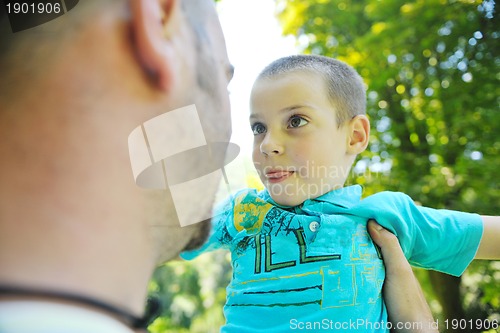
[{"x": 402, "y": 293}]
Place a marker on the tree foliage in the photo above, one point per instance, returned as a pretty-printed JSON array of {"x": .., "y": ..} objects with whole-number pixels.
[
  {"x": 192, "y": 294},
  {"x": 432, "y": 70}
]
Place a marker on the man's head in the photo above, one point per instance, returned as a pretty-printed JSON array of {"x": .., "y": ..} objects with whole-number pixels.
[
  {"x": 307, "y": 116},
  {"x": 71, "y": 91}
]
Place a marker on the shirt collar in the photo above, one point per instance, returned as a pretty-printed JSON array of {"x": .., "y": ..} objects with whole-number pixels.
[{"x": 345, "y": 197}]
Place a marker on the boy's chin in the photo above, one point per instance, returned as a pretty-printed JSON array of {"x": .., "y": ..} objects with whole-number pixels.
[
  {"x": 288, "y": 201},
  {"x": 291, "y": 199},
  {"x": 295, "y": 198}
]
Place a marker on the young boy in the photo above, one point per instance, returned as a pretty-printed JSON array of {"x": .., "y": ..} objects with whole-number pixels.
[{"x": 302, "y": 258}]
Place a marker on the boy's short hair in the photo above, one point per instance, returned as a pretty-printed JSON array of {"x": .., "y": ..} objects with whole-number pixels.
[{"x": 346, "y": 88}]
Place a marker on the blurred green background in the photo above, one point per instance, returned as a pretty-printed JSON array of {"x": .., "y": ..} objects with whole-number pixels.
[{"x": 432, "y": 71}]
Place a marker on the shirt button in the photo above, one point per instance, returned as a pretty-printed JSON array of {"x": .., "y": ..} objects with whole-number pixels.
[{"x": 314, "y": 226}]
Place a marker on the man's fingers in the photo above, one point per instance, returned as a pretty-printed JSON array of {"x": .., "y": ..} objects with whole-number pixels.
[
  {"x": 388, "y": 243},
  {"x": 381, "y": 236},
  {"x": 374, "y": 229}
]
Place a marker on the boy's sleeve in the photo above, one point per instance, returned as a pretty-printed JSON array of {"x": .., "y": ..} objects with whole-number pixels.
[
  {"x": 220, "y": 233},
  {"x": 438, "y": 239}
]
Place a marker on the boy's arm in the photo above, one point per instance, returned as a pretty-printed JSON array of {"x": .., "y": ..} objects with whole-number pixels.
[{"x": 489, "y": 248}]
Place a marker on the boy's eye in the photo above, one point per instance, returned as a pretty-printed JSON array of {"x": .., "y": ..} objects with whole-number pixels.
[
  {"x": 297, "y": 121},
  {"x": 258, "y": 128}
]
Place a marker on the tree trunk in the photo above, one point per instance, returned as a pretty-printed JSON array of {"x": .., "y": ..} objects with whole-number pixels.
[{"x": 447, "y": 289}]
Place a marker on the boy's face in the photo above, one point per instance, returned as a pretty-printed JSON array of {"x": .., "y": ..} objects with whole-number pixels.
[{"x": 299, "y": 150}]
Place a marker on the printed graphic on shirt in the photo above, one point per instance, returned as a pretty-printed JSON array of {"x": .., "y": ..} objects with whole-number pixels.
[
  {"x": 249, "y": 213},
  {"x": 278, "y": 266}
]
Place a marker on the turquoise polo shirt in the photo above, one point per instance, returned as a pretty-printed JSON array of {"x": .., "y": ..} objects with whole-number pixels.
[{"x": 314, "y": 267}]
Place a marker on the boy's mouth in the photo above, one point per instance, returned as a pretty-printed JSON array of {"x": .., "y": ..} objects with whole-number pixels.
[{"x": 276, "y": 176}]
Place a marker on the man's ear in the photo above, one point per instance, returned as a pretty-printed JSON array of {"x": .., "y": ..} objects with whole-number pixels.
[
  {"x": 151, "y": 21},
  {"x": 359, "y": 134}
]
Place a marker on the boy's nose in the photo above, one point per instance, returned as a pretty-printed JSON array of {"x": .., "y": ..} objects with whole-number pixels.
[{"x": 270, "y": 145}]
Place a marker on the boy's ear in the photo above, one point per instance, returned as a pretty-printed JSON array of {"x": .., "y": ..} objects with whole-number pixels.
[
  {"x": 152, "y": 23},
  {"x": 359, "y": 134}
]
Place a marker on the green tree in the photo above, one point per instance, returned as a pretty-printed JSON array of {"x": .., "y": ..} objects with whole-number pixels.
[
  {"x": 192, "y": 294},
  {"x": 432, "y": 68}
]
